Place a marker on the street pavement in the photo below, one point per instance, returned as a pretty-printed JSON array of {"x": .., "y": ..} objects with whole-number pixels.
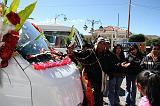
[{"x": 122, "y": 95}]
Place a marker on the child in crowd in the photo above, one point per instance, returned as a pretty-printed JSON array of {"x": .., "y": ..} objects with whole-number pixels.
[{"x": 148, "y": 85}]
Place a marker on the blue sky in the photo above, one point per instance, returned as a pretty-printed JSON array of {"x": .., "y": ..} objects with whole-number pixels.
[{"x": 145, "y": 14}]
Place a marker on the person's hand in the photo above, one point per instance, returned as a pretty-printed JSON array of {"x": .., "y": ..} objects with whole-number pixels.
[
  {"x": 124, "y": 64},
  {"x": 70, "y": 49}
]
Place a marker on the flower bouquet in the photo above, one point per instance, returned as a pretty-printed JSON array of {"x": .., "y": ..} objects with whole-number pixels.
[{"x": 10, "y": 24}]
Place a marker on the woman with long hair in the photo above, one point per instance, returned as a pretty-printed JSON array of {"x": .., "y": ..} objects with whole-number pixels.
[
  {"x": 116, "y": 78},
  {"x": 133, "y": 69}
]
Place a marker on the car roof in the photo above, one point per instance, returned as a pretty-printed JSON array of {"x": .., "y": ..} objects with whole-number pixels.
[{"x": 55, "y": 27}]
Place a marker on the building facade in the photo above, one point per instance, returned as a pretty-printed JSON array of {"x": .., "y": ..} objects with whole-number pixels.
[{"x": 114, "y": 33}]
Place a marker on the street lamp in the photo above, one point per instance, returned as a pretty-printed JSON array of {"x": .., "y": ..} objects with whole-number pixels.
[
  {"x": 65, "y": 18},
  {"x": 93, "y": 22},
  {"x": 85, "y": 27}
]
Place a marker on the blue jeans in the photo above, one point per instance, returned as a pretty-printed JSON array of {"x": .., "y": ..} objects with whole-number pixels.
[
  {"x": 131, "y": 90},
  {"x": 114, "y": 88}
]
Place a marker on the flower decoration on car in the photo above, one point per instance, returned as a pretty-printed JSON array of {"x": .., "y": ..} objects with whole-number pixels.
[
  {"x": 11, "y": 22},
  {"x": 56, "y": 59}
]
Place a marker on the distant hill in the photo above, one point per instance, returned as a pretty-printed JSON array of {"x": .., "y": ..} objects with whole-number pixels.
[{"x": 152, "y": 36}]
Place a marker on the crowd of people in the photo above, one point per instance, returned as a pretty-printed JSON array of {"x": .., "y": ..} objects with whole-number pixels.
[{"x": 140, "y": 71}]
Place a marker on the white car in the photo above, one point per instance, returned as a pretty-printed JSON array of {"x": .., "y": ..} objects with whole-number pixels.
[
  {"x": 22, "y": 85},
  {"x": 56, "y": 34}
]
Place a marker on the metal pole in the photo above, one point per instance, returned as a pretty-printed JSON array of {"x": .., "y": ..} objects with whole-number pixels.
[
  {"x": 92, "y": 27},
  {"x": 93, "y": 22},
  {"x": 118, "y": 19},
  {"x": 55, "y": 20},
  {"x": 129, "y": 13},
  {"x": 112, "y": 41}
]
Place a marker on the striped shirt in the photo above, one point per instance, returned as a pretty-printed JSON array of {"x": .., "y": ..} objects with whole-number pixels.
[{"x": 149, "y": 64}]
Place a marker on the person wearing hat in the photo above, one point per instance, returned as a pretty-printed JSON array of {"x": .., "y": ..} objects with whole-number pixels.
[
  {"x": 95, "y": 61},
  {"x": 94, "y": 70}
]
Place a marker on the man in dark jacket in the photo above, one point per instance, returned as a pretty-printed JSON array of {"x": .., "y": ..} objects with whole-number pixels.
[
  {"x": 95, "y": 61},
  {"x": 152, "y": 60}
]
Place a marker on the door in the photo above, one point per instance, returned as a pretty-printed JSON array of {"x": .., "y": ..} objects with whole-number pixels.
[{"x": 15, "y": 89}]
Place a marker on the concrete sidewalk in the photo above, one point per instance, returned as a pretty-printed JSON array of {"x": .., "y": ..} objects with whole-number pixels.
[{"x": 122, "y": 94}]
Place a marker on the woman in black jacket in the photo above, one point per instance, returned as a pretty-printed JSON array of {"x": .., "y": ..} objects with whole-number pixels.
[
  {"x": 116, "y": 76},
  {"x": 133, "y": 69}
]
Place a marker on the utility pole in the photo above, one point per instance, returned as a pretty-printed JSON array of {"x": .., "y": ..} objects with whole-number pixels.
[
  {"x": 129, "y": 13},
  {"x": 118, "y": 20}
]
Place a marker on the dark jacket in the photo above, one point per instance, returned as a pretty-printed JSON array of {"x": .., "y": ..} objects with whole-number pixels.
[
  {"x": 118, "y": 70},
  {"x": 134, "y": 67},
  {"x": 95, "y": 63}
]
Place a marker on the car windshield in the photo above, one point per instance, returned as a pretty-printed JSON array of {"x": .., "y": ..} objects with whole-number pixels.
[
  {"x": 30, "y": 42},
  {"x": 57, "y": 38}
]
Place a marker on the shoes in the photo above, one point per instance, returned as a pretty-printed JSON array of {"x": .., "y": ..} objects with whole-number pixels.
[
  {"x": 118, "y": 104},
  {"x": 105, "y": 103}
]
